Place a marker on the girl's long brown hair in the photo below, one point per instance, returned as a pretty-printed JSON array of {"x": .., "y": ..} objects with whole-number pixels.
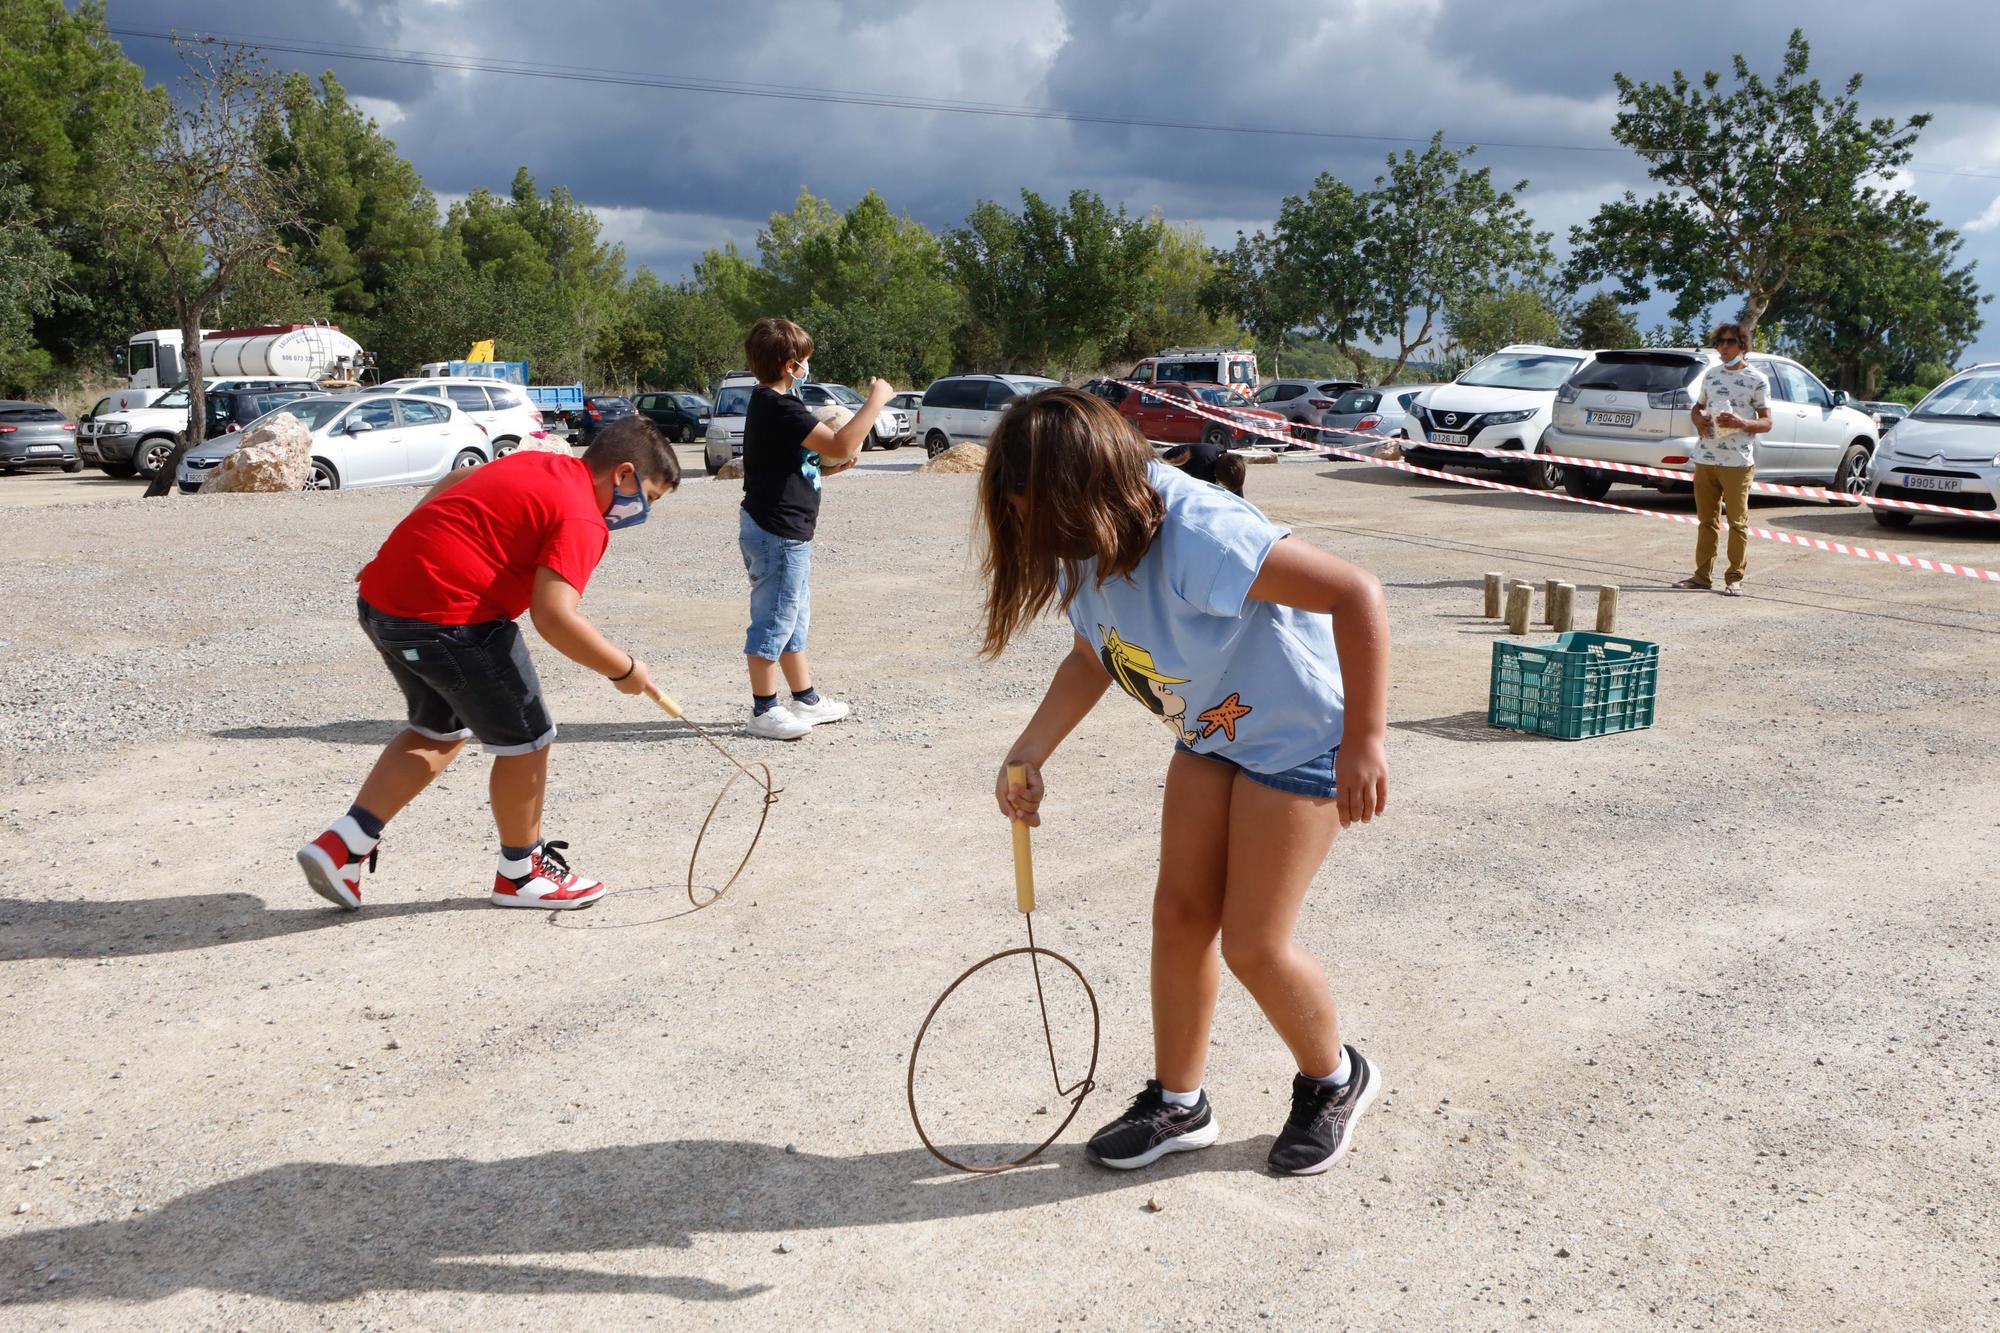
[{"x": 1080, "y": 470}]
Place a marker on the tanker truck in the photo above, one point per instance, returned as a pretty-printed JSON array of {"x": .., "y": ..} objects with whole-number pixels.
[{"x": 154, "y": 361}]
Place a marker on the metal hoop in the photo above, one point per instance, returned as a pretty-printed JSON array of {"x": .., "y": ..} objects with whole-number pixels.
[
  {"x": 763, "y": 814},
  {"x": 1077, "y": 1091}
]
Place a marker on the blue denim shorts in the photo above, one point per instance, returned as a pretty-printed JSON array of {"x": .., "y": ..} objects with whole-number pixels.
[
  {"x": 462, "y": 681},
  {"x": 780, "y": 595},
  {"x": 1312, "y": 778}
]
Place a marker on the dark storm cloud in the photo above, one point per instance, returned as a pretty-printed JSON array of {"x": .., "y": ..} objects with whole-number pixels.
[{"x": 678, "y": 170}]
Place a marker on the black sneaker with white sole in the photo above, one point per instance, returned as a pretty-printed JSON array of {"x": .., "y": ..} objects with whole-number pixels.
[
  {"x": 1322, "y": 1120},
  {"x": 1151, "y": 1128}
]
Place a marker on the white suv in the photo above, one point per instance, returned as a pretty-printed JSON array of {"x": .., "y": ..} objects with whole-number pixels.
[
  {"x": 501, "y": 410},
  {"x": 723, "y": 440},
  {"x": 1633, "y": 407},
  {"x": 1502, "y": 401},
  {"x": 967, "y": 407}
]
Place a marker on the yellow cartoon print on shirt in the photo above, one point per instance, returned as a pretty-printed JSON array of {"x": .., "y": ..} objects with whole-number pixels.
[{"x": 1136, "y": 673}]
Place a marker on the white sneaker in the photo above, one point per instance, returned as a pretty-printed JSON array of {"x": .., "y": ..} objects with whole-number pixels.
[
  {"x": 826, "y": 710},
  {"x": 778, "y": 723}
]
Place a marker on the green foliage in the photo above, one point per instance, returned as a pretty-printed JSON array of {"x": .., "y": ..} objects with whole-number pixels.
[
  {"x": 1601, "y": 323},
  {"x": 1762, "y": 181},
  {"x": 1324, "y": 277},
  {"x": 1177, "y": 310},
  {"x": 30, "y": 268},
  {"x": 1483, "y": 321}
]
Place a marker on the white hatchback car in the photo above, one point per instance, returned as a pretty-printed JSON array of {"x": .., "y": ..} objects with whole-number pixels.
[
  {"x": 1633, "y": 407},
  {"x": 501, "y": 410},
  {"x": 1502, "y": 401},
  {"x": 1946, "y": 452},
  {"x": 370, "y": 438}
]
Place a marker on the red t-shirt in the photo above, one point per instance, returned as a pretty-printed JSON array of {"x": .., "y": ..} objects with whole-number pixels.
[{"x": 471, "y": 554}]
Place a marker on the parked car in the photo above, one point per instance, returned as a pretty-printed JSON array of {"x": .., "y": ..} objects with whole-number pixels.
[
  {"x": 1165, "y": 413},
  {"x": 959, "y": 408},
  {"x": 1502, "y": 401},
  {"x": 1359, "y": 417},
  {"x": 1233, "y": 367},
  {"x": 1946, "y": 452},
  {"x": 723, "y": 440},
  {"x": 501, "y": 410},
  {"x": 681, "y": 417},
  {"x": 368, "y": 438},
  {"x": 36, "y": 435},
  {"x": 1634, "y": 407},
  {"x": 891, "y": 428},
  {"x": 599, "y": 411},
  {"x": 1885, "y": 414},
  {"x": 138, "y": 441},
  {"x": 907, "y": 402},
  {"x": 1303, "y": 402},
  {"x": 230, "y": 410}
]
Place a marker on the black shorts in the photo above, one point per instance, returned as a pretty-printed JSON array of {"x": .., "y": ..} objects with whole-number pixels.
[{"x": 464, "y": 681}]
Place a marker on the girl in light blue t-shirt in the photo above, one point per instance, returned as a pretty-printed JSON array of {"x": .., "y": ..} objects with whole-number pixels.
[{"x": 1267, "y": 660}]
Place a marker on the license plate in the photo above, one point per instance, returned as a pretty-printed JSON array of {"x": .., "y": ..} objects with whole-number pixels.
[
  {"x": 1443, "y": 437},
  {"x": 44, "y": 448},
  {"x": 1611, "y": 418},
  {"x": 1931, "y": 483}
]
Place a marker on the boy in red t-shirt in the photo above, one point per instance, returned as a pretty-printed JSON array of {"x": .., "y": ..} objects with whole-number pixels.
[{"x": 439, "y": 601}]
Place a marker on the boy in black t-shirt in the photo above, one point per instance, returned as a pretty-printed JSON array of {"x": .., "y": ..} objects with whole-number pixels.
[{"x": 786, "y": 450}]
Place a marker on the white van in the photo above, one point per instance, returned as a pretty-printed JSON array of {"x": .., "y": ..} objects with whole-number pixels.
[
  {"x": 1502, "y": 401},
  {"x": 959, "y": 408},
  {"x": 723, "y": 440}
]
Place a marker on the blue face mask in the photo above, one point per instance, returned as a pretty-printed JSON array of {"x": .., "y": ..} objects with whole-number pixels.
[
  {"x": 627, "y": 510},
  {"x": 804, "y": 376}
]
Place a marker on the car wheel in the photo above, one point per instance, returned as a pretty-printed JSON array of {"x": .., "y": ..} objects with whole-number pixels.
[
  {"x": 1216, "y": 435},
  {"x": 152, "y": 455},
  {"x": 505, "y": 445},
  {"x": 1539, "y": 476},
  {"x": 896, "y": 443},
  {"x": 467, "y": 459},
  {"x": 75, "y": 465},
  {"x": 1586, "y": 483},
  {"x": 935, "y": 443},
  {"x": 322, "y": 476},
  {"x": 684, "y": 435},
  {"x": 1893, "y": 518},
  {"x": 1851, "y": 476}
]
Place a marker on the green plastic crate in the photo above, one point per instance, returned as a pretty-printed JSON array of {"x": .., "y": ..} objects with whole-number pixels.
[{"x": 1581, "y": 685}]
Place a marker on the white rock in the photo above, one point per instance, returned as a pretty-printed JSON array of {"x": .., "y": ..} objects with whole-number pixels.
[{"x": 274, "y": 457}]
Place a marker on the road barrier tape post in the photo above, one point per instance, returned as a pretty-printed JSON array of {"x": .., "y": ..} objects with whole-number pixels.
[
  {"x": 1607, "y": 608},
  {"x": 1494, "y": 581},
  {"x": 1562, "y": 607},
  {"x": 1520, "y": 599}
]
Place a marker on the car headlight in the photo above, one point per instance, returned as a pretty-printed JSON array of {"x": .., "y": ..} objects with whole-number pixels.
[
  {"x": 112, "y": 428},
  {"x": 1509, "y": 418}
]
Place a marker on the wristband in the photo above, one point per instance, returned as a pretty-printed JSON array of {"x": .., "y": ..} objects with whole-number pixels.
[{"x": 633, "y": 666}]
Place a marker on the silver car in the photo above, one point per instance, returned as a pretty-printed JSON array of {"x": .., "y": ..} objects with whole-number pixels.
[
  {"x": 1369, "y": 414},
  {"x": 1303, "y": 402},
  {"x": 1946, "y": 452}
]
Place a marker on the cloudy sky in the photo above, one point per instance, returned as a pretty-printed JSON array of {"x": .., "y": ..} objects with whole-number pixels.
[{"x": 673, "y": 172}]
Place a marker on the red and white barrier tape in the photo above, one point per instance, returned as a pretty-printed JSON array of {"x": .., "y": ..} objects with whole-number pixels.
[
  {"x": 1768, "y": 534},
  {"x": 1257, "y": 425}
]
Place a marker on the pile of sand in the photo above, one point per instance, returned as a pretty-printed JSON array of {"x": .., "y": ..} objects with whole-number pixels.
[
  {"x": 958, "y": 458},
  {"x": 730, "y": 471}
]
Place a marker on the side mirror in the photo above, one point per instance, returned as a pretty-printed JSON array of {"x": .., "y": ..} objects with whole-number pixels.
[
  {"x": 118, "y": 360},
  {"x": 1840, "y": 398},
  {"x": 359, "y": 427}
]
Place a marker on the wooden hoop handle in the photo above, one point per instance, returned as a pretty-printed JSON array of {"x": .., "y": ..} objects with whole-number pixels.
[{"x": 1024, "y": 857}]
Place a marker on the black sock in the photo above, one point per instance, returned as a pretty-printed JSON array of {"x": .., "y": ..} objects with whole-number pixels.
[
  {"x": 518, "y": 853},
  {"x": 368, "y": 822},
  {"x": 762, "y": 704},
  {"x": 808, "y": 695}
]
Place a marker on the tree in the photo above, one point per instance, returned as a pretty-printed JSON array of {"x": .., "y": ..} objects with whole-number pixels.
[
  {"x": 204, "y": 187},
  {"x": 1324, "y": 272},
  {"x": 1483, "y": 321},
  {"x": 1178, "y": 312},
  {"x": 1883, "y": 303},
  {"x": 1601, "y": 322},
  {"x": 30, "y": 269},
  {"x": 1436, "y": 229},
  {"x": 1762, "y": 181}
]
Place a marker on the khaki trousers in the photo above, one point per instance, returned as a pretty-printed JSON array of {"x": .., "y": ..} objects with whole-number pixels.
[{"x": 1717, "y": 489}]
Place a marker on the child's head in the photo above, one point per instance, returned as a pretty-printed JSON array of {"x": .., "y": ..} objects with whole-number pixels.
[
  {"x": 773, "y": 347},
  {"x": 1065, "y": 482},
  {"x": 636, "y": 441}
]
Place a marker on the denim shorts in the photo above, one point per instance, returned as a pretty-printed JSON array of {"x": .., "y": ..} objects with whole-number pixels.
[
  {"x": 780, "y": 598},
  {"x": 464, "y": 681},
  {"x": 1312, "y": 778}
]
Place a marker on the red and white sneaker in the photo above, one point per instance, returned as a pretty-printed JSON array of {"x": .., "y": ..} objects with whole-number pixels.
[
  {"x": 333, "y": 862},
  {"x": 549, "y": 883}
]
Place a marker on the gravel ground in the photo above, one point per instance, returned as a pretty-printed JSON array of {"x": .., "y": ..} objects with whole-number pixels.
[{"x": 1691, "y": 1027}]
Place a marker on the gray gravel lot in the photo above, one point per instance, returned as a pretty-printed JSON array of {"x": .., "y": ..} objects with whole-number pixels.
[{"x": 1691, "y": 1027}]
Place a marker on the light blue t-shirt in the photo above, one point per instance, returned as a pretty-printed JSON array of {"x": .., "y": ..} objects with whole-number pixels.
[{"x": 1250, "y": 681}]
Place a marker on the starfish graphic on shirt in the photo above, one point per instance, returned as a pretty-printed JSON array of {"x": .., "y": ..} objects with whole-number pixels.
[{"x": 1225, "y": 716}]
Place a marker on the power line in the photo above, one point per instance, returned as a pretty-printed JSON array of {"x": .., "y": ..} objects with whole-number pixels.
[{"x": 443, "y": 60}]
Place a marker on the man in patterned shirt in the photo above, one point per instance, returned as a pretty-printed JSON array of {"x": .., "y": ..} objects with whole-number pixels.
[{"x": 1731, "y": 409}]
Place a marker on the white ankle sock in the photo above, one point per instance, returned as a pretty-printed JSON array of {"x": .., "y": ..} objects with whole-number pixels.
[
  {"x": 515, "y": 869},
  {"x": 1338, "y": 1078},
  {"x": 350, "y": 831},
  {"x": 1180, "y": 1098}
]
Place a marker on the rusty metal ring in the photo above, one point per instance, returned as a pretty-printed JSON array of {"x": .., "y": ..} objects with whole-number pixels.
[
  {"x": 1077, "y": 1091},
  {"x": 763, "y": 814}
]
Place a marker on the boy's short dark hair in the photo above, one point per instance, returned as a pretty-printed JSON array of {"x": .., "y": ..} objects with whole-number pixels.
[
  {"x": 771, "y": 343},
  {"x": 635, "y": 440}
]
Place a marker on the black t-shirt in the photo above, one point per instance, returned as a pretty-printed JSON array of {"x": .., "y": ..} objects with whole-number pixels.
[{"x": 780, "y": 475}]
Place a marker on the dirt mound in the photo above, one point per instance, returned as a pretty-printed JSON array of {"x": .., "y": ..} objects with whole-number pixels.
[
  {"x": 730, "y": 471},
  {"x": 958, "y": 458}
]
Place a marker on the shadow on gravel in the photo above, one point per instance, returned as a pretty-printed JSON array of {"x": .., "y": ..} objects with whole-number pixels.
[
  {"x": 53, "y": 928},
  {"x": 324, "y": 1231},
  {"x": 377, "y": 731},
  {"x": 1471, "y": 727}
]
